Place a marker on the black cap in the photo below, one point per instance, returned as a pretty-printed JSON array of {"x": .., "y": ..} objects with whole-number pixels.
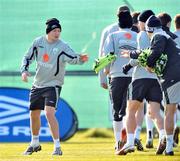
[
  {"x": 52, "y": 24},
  {"x": 152, "y": 23},
  {"x": 144, "y": 15},
  {"x": 122, "y": 8},
  {"x": 125, "y": 19}
]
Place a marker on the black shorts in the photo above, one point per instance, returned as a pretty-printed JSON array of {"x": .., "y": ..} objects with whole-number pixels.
[
  {"x": 41, "y": 97},
  {"x": 145, "y": 88}
]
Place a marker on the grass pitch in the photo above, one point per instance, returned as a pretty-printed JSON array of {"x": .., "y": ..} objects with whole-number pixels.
[{"x": 90, "y": 145}]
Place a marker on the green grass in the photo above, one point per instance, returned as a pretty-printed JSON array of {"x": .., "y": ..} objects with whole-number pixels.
[{"x": 91, "y": 145}]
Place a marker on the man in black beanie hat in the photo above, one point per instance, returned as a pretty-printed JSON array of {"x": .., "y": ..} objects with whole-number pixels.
[
  {"x": 52, "y": 24},
  {"x": 170, "y": 79},
  {"x": 161, "y": 42},
  {"x": 153, "y": 23},
  {"x": 153, "y": 106},
  {"x": 51, "y": 55}
]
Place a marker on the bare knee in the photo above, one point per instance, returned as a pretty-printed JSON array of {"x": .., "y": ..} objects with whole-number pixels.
[
  {"x": 154, "y": 110},
  {"x": 133, "y": 106},
  {"x": 154, "y": 114},
  {"x": 35, "y": 114},
  {"x": 150, "y": 115},
  {"x": 50, "y": 113}
]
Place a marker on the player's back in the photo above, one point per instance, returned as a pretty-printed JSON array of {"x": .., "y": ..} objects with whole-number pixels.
[{"x": 122, "y": 39}]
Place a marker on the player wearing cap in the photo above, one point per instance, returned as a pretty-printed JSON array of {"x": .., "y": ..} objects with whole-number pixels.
[
  {"x": 125, "y": 38},
  {"x": 119, "y": 130}
]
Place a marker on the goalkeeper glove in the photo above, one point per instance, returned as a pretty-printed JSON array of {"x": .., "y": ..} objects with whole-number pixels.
[{"x": 126, "y": 68}]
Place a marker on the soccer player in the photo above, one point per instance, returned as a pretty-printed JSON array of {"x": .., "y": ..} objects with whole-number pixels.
[
  {"x": 119, "y": 82},
  {"x": 108, "y": 30},
  {"x": 140, "y": 111},
  {"x": 170, "y": 79},
  {"x": 119, "y": 132},
  {"x": 51, "y": 55},
  {"x": 144, "y": 86}
]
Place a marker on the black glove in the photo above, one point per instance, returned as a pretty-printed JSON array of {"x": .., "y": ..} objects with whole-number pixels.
[{"x": 126, "y": 68}]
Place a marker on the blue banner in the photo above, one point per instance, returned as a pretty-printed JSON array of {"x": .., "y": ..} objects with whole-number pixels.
[{"x": 14, "y": 117}]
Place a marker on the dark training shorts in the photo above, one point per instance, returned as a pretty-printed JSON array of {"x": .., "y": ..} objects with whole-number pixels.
[
  {"x": 145, "y": 88},
  {"x": 41, "y": 97}
]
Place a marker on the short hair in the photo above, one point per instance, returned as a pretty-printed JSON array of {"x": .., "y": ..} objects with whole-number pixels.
[
  {"x": 165, "y": 18},
  {"x": 135, "y": 17},
  {"x": 177, "y": 21}
]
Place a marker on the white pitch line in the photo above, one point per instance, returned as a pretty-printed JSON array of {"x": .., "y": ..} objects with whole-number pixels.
[{"x": 93, "y": 37}]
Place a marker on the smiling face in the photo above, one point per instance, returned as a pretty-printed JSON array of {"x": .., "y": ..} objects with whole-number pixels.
[{"x": 54, "y": 35}]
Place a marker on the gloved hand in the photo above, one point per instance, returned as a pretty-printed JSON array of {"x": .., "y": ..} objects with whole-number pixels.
[{"x": 126, "y": 68}]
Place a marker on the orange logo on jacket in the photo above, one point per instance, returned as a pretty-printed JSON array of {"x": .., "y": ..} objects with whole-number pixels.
[
  {"x": 45, "y": 57},
  {"x": 128, "y": 35}
]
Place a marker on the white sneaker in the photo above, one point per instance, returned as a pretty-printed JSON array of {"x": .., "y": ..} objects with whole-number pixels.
[{"x": 125, "y": 149}]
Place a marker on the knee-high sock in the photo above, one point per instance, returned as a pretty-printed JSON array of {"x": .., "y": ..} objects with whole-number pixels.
[
  {"x": 117, "y": 127},
  {"x": 137, "y": 132},
  {"x": 169, "y": 144}
]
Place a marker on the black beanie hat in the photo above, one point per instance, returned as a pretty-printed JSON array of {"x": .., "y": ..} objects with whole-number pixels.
[
  {"x": 52, "y": 24},
  {"x": 152, "y": 23},
  {"x": 144, "y": 15},
  {"x": 125, "y": 19}
]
